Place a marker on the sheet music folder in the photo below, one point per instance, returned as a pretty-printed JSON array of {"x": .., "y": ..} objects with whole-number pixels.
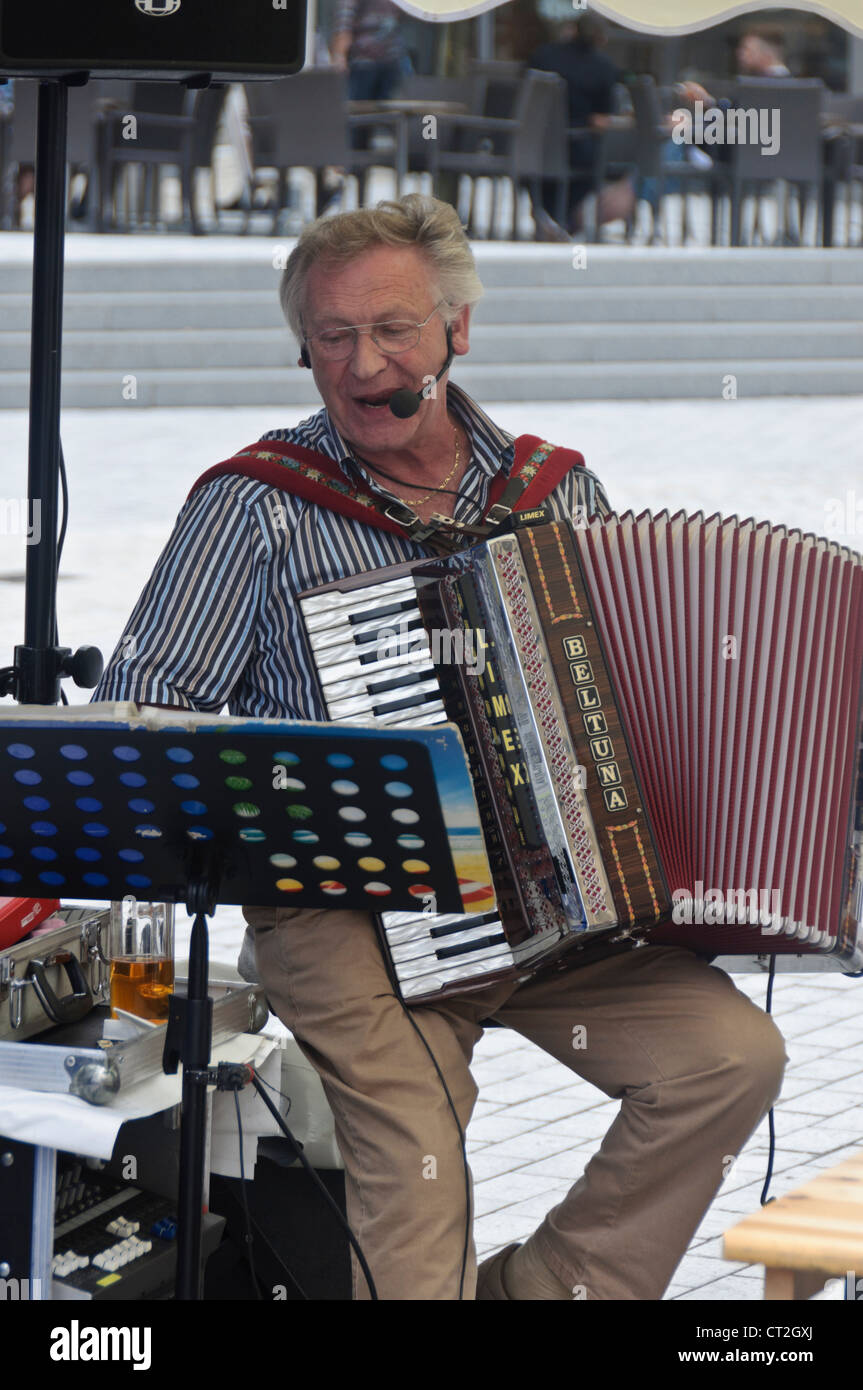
[{"x": 105, "y": 800}]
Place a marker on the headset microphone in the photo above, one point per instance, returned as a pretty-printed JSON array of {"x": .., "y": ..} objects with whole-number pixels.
[{"x": 405, "y": 403}]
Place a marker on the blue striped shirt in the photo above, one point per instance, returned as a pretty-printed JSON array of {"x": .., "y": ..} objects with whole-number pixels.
[{"x": 217, "y": 623}]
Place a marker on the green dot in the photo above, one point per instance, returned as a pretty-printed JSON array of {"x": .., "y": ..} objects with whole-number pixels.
[
  {"x": 232, "y": 755},
  {"x": 246, "y": 808},
  {"x": 238, "y": 784},
  {"x": 299, "y": 812}
]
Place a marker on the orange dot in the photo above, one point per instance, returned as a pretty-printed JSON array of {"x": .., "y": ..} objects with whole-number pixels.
[{"x": 289, "y": 885}]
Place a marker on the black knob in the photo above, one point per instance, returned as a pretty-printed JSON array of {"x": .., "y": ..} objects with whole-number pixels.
[{"x": 85, "y": 667}]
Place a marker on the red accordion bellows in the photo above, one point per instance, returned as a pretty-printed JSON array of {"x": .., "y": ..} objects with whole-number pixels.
[{"x": 736, "y": 650}]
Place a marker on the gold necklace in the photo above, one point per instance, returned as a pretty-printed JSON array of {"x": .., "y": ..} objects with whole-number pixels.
[{"x": 418, "y": 501}]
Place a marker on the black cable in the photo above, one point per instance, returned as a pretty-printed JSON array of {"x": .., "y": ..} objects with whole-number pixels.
[
  {"x": 462, "y": 1142},
  {"x": 256, "y": 1082},
  {"x": 451, "y": 492},
  {"x": 235, "y": 1086},
  {"x": 280, "y": 1094},
  {"x": 770, "y": 1120},
  {"x": 250, "y": 1239}
]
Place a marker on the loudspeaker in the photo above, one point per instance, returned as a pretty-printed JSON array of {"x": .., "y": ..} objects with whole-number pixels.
[{"x": 164, "y": 39}]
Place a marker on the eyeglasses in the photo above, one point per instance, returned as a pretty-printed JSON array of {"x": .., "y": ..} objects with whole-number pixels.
[{"x": 397, "y": 335}]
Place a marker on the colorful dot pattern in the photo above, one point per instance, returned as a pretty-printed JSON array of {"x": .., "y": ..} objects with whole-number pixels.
[{"x": 325, "y": 817}]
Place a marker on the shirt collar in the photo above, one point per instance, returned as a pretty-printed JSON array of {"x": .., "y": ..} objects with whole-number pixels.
[{"x": 491, "y": 447}]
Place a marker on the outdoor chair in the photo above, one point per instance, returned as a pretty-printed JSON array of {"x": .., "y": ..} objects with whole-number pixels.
[
  {"x": 514, "y": 147},
  {"x": 174, "y": 127},
  {"x": 653, "y": 161},
  {"x": 843, "y": 156},
  {"x": 302, "y": 122},
  {"x": 18, "y": 136},
  {"x": 798, "y": 161}
]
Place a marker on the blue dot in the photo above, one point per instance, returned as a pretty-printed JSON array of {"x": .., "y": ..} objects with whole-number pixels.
[
  {"x": 27, "y": 778},
  {"x": 43, "y": 827},
  {"x": 288, "y": 759},
  {"x": 88, "y": 803},
  {"x": 73, "y": 751},
  {"x": 193, "y": 808},
  {"x": 131, "y": 856},
  {"x": 125, "y": 753},
  {"x": 6, "y": 852},
  {"x": 185, "y": 780},
  {"x": 52, "y": 878},
  {"x": 398, "y": 789},
  {"x": 37, "y": 803},
  {"x": 20, "y": 750},
  {"x": 138, "y": 880},
  {"x": 44, "y": 852},
  {"x": 133, "y": 779},
  {"x": 253, "y": 835},
  {"x": 148, "y": 832},
  {"x": 97, "y": 880},
  {"x": 340, "y": 760},
  {"x": 142, "y": 807},
  {"x": 80, "y": 779},
  {"x": 9, "y": 876},
  {"x": 305, "y": 837},
  {"x": 89, "y": 855},
  {"x": 2, "y": 828},
  {"x": 179, "y": 755},
  {"x": 393, "y": 763},
  {"x": 199, "y": 832},
  {"x": 96, "y": 828}
]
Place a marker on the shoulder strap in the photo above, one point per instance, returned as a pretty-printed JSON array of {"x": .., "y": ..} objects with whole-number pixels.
[{"x": 537, "y": 469}]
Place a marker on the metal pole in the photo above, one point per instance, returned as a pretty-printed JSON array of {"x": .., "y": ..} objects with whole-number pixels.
[{"x": 39, "y": 682}]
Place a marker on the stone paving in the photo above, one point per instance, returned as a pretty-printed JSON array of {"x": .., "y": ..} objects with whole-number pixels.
[{"x": 535, "y": 1125}]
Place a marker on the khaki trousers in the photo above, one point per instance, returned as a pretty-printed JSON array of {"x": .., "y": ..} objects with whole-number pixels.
[{"x": 694, "y": 1063}]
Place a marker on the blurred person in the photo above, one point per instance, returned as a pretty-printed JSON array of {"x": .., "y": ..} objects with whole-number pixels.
[
  {"x": 756, "y": 55},
  {"x": 368, "y": 44},
  {"x": 590, "y": 76},
  {"x": 520, "y": 30},
  {"x": 760, "y": 56},
  {"x": 25, "y": 184}
]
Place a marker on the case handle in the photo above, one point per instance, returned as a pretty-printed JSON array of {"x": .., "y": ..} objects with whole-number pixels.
[{"x": 76, "y": 1004}]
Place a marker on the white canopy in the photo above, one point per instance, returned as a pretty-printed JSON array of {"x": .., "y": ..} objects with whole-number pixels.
[{"x": 652, "y": 16}]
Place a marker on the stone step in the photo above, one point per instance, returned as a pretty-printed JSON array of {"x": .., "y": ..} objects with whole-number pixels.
[
  {"x": 552, "y": 344},
  {"x": 553, "y": 382},
  {"x": 231, "y": 310},
  {"x": 249, "y": 265}
]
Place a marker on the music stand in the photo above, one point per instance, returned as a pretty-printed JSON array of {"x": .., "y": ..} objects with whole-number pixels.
[{"x": 268, "y": 812}]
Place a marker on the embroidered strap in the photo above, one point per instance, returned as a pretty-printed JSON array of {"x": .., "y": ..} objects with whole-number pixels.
[{"x": 537, "y": 469}]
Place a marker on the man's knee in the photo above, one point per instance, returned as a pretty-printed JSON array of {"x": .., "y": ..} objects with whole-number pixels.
[{"x": 753, "y": 1057}]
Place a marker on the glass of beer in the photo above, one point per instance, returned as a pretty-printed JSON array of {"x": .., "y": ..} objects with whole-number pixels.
[{"x": 141, "y": 951}]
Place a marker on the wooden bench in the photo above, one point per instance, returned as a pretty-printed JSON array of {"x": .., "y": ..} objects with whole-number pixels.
[{"x": 807, "y": 1236}]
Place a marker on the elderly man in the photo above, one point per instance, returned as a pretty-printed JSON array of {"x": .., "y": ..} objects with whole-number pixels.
[{"x": 381, "y": 301}]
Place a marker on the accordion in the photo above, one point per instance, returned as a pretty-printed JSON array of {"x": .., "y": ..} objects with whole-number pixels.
[{"x": 663, "y": 718}]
